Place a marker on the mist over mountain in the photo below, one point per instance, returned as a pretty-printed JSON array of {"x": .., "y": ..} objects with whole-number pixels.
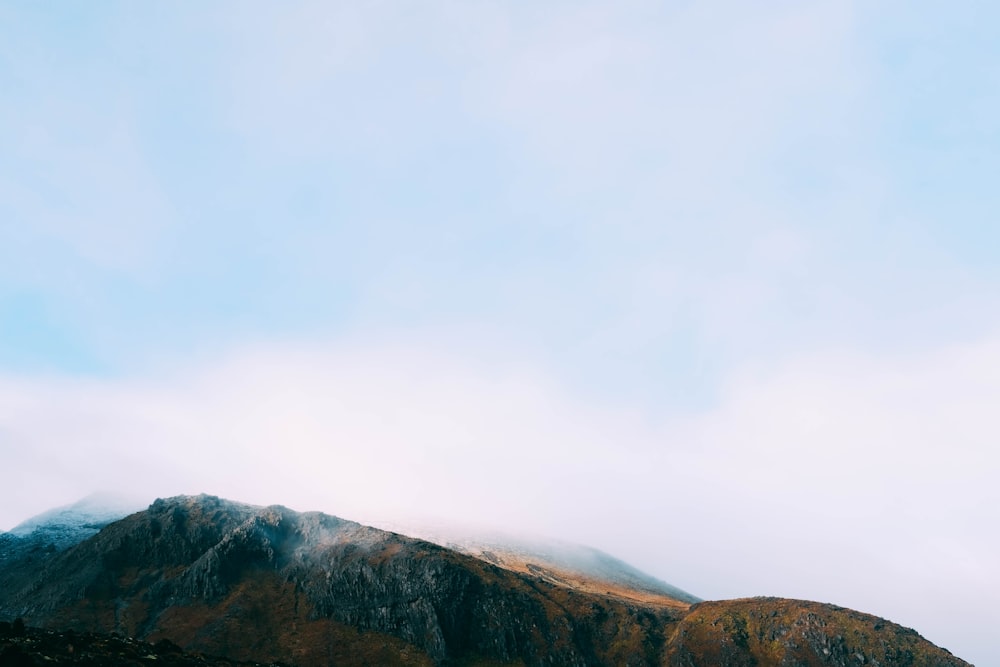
[
  {"x": 270, "y": 584},
  {"x": 69, "y": 524},
  {"x": 564, "y": 563}
]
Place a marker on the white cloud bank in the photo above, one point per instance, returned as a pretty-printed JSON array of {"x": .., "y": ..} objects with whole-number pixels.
[{"x": 864, "y": 482}]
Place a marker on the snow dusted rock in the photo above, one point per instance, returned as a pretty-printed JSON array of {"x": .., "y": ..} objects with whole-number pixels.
[{"x": 65, "y": 526}]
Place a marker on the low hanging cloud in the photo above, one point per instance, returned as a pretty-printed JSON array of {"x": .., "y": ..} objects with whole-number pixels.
[
  {"x": 374, "y": 430},
  {"x": 865, "y": 482}
]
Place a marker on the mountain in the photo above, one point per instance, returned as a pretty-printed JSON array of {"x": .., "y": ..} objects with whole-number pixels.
[{"x": 269, "y": 584}]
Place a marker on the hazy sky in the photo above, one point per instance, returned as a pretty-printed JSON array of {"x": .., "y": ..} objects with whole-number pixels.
[{"x": 713, "y": 286}]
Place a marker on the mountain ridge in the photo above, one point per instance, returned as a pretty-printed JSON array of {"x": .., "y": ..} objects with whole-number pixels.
[{"x": 269, "y": 584}]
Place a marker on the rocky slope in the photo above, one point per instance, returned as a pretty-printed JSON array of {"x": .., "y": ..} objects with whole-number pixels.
[
  {"x": 563, "y": 564},
  {"x": 270, "y": 584}
]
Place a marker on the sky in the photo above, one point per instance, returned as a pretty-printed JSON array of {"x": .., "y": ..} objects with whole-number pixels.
[{"x": 713, "y": 286}]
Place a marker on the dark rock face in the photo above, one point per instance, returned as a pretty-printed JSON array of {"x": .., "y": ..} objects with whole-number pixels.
[{"x": 271, "y": 584}]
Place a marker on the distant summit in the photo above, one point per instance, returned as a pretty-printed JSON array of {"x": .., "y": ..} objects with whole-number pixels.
[
  {"x": 67, "y": 525},
  {"x": 88, "y": 514}
]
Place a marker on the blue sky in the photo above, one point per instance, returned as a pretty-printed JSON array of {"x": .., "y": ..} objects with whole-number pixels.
[{"x": 668, "y": 246}]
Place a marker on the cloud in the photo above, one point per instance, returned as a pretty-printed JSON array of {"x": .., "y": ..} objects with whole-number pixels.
[
  {"x": 865, "y": 482},
  {"x": 378, "y": 428}
]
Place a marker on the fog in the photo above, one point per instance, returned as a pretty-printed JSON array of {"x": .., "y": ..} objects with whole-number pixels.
[{"x": 863, "y": 482}]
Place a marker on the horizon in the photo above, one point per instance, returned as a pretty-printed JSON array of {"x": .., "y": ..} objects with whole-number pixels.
[{"x": 708, "y": 287}]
